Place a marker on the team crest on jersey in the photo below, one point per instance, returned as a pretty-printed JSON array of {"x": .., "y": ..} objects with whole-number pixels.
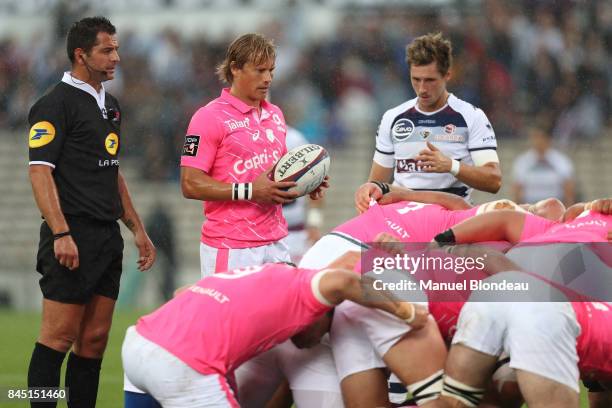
[
  {"x": 111, "y": 143},
  {"x": 402, "y": 129},
  {"x": 41, "y": 133},
  {"x": 425, "y": 133},
  {"x": 450, "y": 129},
  {"x": 190, "y": 148},
  {"x": 270, "y": 135}
]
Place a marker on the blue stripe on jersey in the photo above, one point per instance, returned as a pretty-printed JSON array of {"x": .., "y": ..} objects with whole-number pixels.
[
  {"x": 483, "y": 148},
  {"x": 447, "y": 116},
  {"x": 380, "y": 151}
]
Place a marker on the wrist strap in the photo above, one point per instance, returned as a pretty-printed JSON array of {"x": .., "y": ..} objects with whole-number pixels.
[
  {"x": 410, "y": 319},
  {"x": 242, "y": 191},
  {"x": 455, "y": 167},
  {"x": 446, "y": 238},
  {"x": 60, "y": 235},
  {"x": 384, "y": 187}
]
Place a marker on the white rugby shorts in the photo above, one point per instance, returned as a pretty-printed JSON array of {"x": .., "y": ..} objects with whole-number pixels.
[
  {"x": 539, "y": 337},
  {"x": 168, "y": 379},
  {"x": 213, "y": 260}
]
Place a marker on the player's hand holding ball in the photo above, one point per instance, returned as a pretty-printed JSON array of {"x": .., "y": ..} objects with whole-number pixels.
[
  {"x": 267, "y": 191},
  {"x": 307, "y": 166}
]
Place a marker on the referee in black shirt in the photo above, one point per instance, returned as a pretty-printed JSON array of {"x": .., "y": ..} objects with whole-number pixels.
[{"x": 74, "y": 146}]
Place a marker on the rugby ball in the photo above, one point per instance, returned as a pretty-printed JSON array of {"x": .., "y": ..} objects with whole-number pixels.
[{"x": 307, "y": 165}]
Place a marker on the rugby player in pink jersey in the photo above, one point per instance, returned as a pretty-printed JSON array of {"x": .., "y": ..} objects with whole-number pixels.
[
  {"x": 317, "y": 375},
  {"x": 549, "y": 343},
  {"x": 368, "y": 341},
  {"x": 187, "y": 350},
  {"x": 231, "y": 145}
]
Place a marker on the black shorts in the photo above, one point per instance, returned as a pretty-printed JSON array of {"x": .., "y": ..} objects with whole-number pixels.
[{"x": 100, "y": 248}]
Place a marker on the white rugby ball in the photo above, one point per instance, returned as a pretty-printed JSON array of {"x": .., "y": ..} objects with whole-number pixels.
[{"x": 307, "y": 165}]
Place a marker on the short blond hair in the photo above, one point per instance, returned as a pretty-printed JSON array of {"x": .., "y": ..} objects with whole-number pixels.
[
  {"x": 254, "y": 48},
  {"x": 429, "y": 48}
]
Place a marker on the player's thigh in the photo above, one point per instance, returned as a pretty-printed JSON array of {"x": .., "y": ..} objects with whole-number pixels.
[
  {"x": 258, "y": 378},
  {"x": 60, "y": 324},
  {"x": 419, "y": 355},
  {"x": 311, "y": 369},
  {"x": 541, "y": 392},
  {"x": 541, "y": 339},
  {"x": 366, "y": 389},
  {"x": 317, "y": 399},
  {"x": 169, "y": 380},
  {"x": 352, "y": 350},
  {"x": 477, "y": 343},
  {"x": 311, "y": 374}
]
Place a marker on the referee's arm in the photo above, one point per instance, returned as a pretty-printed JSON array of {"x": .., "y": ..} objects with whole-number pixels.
[
  {"x": 132, "y": 220},
  {"x": 47, "y": 200}
]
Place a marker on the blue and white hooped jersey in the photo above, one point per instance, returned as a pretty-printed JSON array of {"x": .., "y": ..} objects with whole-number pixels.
[{"x": 457, "y": 129}]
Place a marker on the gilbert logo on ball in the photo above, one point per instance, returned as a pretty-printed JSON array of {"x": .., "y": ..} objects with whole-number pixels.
[{"x": 306, "y": 165}]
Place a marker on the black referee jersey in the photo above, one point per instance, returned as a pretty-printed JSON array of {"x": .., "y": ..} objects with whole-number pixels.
[{"x": 69, "y": 132}]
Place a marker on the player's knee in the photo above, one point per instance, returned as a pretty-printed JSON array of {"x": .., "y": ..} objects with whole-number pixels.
[
  {"x": 93, "y": 342},
  {"x": 61, "y": 340}
]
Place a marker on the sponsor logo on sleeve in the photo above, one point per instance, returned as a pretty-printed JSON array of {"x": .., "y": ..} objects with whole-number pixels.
[
  {"x": 111, "y": 143},
  {"x": 42, "y": 133},
  {"x": 490, "y": 138},
  {"x": 402, "y": 130},
  {"x": 191, "y": 145}
]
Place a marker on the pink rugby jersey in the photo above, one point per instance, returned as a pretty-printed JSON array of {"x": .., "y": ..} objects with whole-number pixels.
[
  {"x": 595, "y": 318},
  {"x": 407, "y": 220},
  {"x": 589, "y": 226},
  {"x": 594, "y": 345},
  {"x": 231, "y": 142},
  {"x": 226, "y": 319}
]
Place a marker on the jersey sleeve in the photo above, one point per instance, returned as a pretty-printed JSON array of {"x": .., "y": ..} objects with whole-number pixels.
[
  {"x": 309, "y": 290},
  {"x": 204, "y": 135},
  {"x": 481, "y": 133},
  {"x": 48, "y": 128},
  {"x": 535, "y": 225},
  {"x": 384, "y": 154}
]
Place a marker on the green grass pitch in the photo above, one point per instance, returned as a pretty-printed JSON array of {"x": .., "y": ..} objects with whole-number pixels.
[{"x": 18, "y": 333}]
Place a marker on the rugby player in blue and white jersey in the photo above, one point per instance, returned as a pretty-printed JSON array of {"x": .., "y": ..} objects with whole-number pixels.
[{"x": 435, "y": 141}]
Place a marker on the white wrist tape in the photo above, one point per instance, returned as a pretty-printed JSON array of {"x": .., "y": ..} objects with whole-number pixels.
[
  {"x": 242, "y": 191},
  {"x": 455, "y": 167},
  {"x": 412, "y": 315}
]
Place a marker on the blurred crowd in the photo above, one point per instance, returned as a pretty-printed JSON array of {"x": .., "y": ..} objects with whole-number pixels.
[{"x": 522, "y": 62}]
